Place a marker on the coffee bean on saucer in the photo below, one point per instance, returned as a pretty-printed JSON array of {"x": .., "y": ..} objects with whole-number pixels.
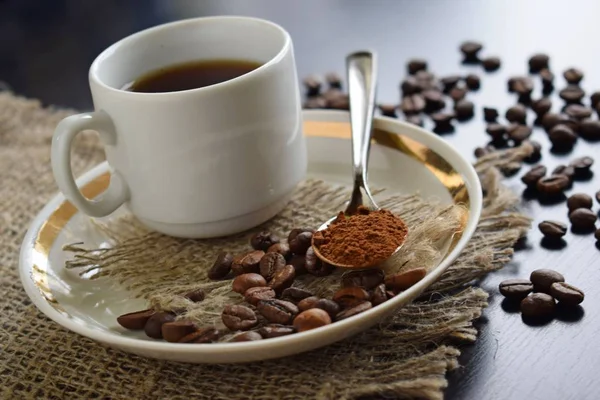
[
  {"x": 517, "y": 114},
  {"x": 473, "y": 82},
  {"x": 357, "y": 309},
  {"x": 572, "y": 94},
  {"x": 562, "y": 137},
  {"x": 566, "y": 294},
  {"x": 410, "y": 86},
  {"x": 379, "y": 295},
  {"x": 312, "y": 85},
  {"x": 434, "y": 100},
  {"x": 350, "y": 296},
  {"x": 153, "y": 327},
  {"x": 308, "y": 302},
  {"x": 334, "y": 80},
  {"x": 538, "y": 62},
  {"x": 515, "y": 289},
  {"x": 247, "y": 337},
  {"x": 553, "y": 229},
  {"x": 243, "y": 282},
  {"x": 315, "y": 266},
  {"x": 202, "y": 335},
  {"x": 220, "y": 269},
  {"x": 590, "y": 129},
  {"x": 277, "y": 311},
  {"x": 404, "y": 280},
  {"x": 442, "y": 121},
  {"x": 536, "y": 153},
  {"x": 582, "y": 166},
  {"x": 414, "y": 119},
  {"x": 553, "y": 185},
  {"x": 496, "y": 131},
  {"x": 174, "y": 331},
  {"x": 490, "y": 114},
  {"x": 583, "y": 219},
  {"x": 270, "y": 264},
  {"x": 281, "y": 248},
  {"x": 283, "y": 278},
  {"x": 578, "y": 111},
  {"x": 470, "y": 50},
  {"x": 257, "y": 293},
  {"x": 135, "y": 320},
  {"x": 276, "y": 330},
  {"x": 247, "y": 263},
  {"x": 412, "y": 104},
  {"x": 300, "y": 243},
  {"x": 388, "y": 110},
  {"x": 532, "y": 177},
  {"x": 315, "y": 103},
  {"x": 366, "y": 279},
  {"x": 519, "y": 133},
  {"x": 331, "y": 307},
  {"x": 541, "y": 106},
  {"x": 450, "y": 82},
  {"x": 491, "y": 63},
  {"x": 311, "y": 319},
  {"x": 196, "y": 295},
  {"x": 415, "y": 65},
  {"x": 263, "y": 240},
  {"x": 579, "y": 200},
  {"x": 543, "y": 278},
  {"x": 573, "y": 76},
  {"x": 457, "y": 94},
  {"x": 537, "y": 305},
  {"x": 238, "y": 317}
]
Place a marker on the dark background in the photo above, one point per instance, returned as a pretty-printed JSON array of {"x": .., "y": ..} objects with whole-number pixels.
[{"x": 46, "y": 48}]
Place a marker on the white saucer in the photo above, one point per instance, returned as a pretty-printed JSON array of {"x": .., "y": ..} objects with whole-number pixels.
[{"x": 404, "y": 159}]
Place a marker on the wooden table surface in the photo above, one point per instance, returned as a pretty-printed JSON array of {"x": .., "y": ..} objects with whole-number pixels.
[{"x": 46, "y": 48}]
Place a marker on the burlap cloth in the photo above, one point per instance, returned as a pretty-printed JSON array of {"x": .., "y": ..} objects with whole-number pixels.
[{"x": 406, "y": 357}]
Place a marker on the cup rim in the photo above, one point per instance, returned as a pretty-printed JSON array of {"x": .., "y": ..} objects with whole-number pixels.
[{"x": 95, "y": 67}]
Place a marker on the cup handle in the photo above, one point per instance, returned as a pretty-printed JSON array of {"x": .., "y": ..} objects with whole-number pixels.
[{"x": 117, "y": 192}]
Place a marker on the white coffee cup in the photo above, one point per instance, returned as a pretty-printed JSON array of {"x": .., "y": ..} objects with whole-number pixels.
[{"x": 197, "y": 163}]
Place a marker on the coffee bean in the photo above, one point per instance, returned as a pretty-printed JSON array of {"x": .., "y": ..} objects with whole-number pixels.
[
  {"x": 569, "y": 172},
  {"x": 572, "y": 94},
  {"x": 473, "y": 82},
  {"x": 450, "y": 82},
  {"x": 315, "y": 103},
  {"x": 543, "y": 278},
  {"x": 257, "y": 293},
  {"x": 388, "y": 110},
  {"x": 414, "y": 119},
  {"x": 311, "y": 319},
  {"x": 532, "y": 177},
  {"x": 412, "y": 104},
  {"x": 496, "y": 131},
  {"x": 595, "y": 99},
  {"x": 490, "y": 114},
  {"x": 434, "y": 100},
  {"x": 281, "y": 248},
  {"x": 410, "y": 86},
  {"x": 566, "y": 294},
  {"x": 315, "y": 266},
  {"x": 579, "y": 200},
  {"x": 582, "y": 166},
  {"x": 457, "y": 94},
  {"x": 243, "y": 282},
  {"x": 308, "y": 302},
  {"x": 550, "y": 120},
  {"x": 541, "y": 106},
  {"x": 295, "y": 294},
  {"x": 547, "y": 80},
  {"x": 415, "y": 65},
  {"x": 573, "y": 76},
  {"x": 331, "y": 307},
  {"x": 312, "y": 85},
  {"x": 589, "y": 129},
  {"x": 598, "y": 196},
  {"x": 247, "y": 263},
  {"x": 283, "y": 278},
  {"x": 221, "y": 267},
  {"x": 366, "y": 279},
  {"x": 464, "y": 109},
  {"x": 247, "y": 337},
  {"x": 300, "y": 243},
  {"x": 510, "y": 168},
  {"x": 202, "y": 335},
  {"x": 442, "y": 121},
  {"x": 519, "y": 133},
  {"x": 470, "y": 49},
  {"x": 553, "y": 185},
  {"x": 538, "y": 62},
  {"x": 536, "y": 153},
  {"x": 174, "y": 331},
  {"x": 427, "y": 80},
  {"x": 299, "y": 264},
  {"x": 271, "y": 263},
  {"x": 480, "y": 152},
  {"x": 562, "y": 137},
  {"x": 597, "y": 234},
  {"x": 537, "y": 305},
  {"x": 334, "y": 80},
  {"x": 135, "y": 320},
  {"x": 277, "y": 311},
  {"x": 350, "y": 296},
  {"x": 515, "y": 289},
  {"x": 577, "y": 111},
  {"x": 522, "y": 85},
  {"x": 340, "y": 103},
  {"x": 195, "y": 296},
  {"x": 379, "y": 295},
  {"x": 357, "y": 309},
  {"x": 263, "y": 240},
  {"x": 153, "y": 326},
  {"x": 404, "y": 280},
  {"x": 491, "y": 63},
  {"x": 583, "y": 219},
  {"x": 332, "y": 94},
  {"x": 238, "y": 317},
  {"x": 517, "y": 114},
  {"x": 553, "y": 229},
  {"x": 276, "y": 330}
]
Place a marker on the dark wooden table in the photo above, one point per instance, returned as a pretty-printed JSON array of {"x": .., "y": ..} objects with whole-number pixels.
[{"x": 47, "y": 46}]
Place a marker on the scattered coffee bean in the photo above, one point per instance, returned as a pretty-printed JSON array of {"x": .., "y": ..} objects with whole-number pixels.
[
  {"x": 538, "y": 62},
  {"x": 547, "y": 81},
  {"x": 473, "y": 82},
  {"x": 332, "y": 94},
  {"x": 357, "y": 309},
  {"x": 238, "y": 317},
  {"x": 579, "y": 200},
  {"x": 519, "y": 133},
  {"x": 480, "y": 152},
  {"x": 350, "y": 296},
  {"x": 415, "y": 65},
  {"x": 515, "y": 289},
  {"x": 553, "y": 229},
  {"x": 578, "y": 112},
  {"x": 522, "y": 85},
  {"x": 543, "y": 278},
  {"x": 598, "y": 196},
  {"x": 510, "y": 168},
  {"x": 257, "y": 293},
  {"x": 491, "y": 63},
  {"x": 311, "y": 319},
  {"x": 334, "y": 80},
  {"x": 277, "y": 311},
  {"x": 538, "y": 305},
  {"x": 315, "y": 266},
  {"x": 597, "y": 234},
  {"x": 414, "y": 119},
  {"x": 536, "y": 154},
  {"x": 295, "y": 294},
  {"x": 379, "y": 295},
  {"x": 569, "y": 172},
  {"x": 315, "y": 103},
  {"x": 281, "y": 248},
  {"x": 412, "y": 104},
  {"x": 135, "y": 320},
  {"x": 366, "y": 279},
  {"x": 221, "y": 267},
  {"x": 450, "y": 82},
  {"x": 202, "y": 335},
  {"x": 195, "y": 296},
  {"x": 153, "y": 327},
  {"x": 263, "y": 240},
  {"x": 595, "y": 99},
  {"x": 330, "y": 306},
  {"x": 573, "y": 76},
  {"x": 566, "y": 294},
  {"x": 247, "y": 263},
  {"x": 457, "y": 94},
  {"x": 583, "y": 219},
  {"x": 340, "y": 103},
  {"x": 270, "y": 264},
  {"x": 541, "y": 106},
  {"x": 550, "y": 120},
  {"x": 404, "y": 280},
  {"x": 410, "y": 86},
  {"x": 589, "y": 129},
  {"x": 496, "y": 131},
  {"x": 247, "y": 337},
  {"x": 582, "y": 166},
  {"x": 283, "y": 278},
  {"x": 243, "y": 282},
  {"x": 434, "y": 100},
  {"x": 276, "y": 330},
  {"x": 532, "y": 177},
  {"x": 174, "y": 331},
  {"x": 562, "y": 137},
  {"x": 300, "y": 243},
  {"x": 517, "y": 114},
  {"x": 388, "y": 110},
  {"x": 490, "y": 114},
  {"x": 470, "y": 50},
  {"x": 572, "y": 94},
  {"x": 442, "y": 121},
  {"x": 464, "y": 109},
  {"x": 553, "y": 185},
  {"x": 308, "y": 302}
]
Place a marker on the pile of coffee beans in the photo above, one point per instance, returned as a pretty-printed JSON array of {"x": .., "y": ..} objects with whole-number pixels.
[
  {"x": 538, "y": 295},
  {"x": 270, "y": 304}
]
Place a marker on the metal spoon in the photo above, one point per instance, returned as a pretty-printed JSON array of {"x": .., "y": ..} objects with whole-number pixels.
[{"x": 361, "y": 68}]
